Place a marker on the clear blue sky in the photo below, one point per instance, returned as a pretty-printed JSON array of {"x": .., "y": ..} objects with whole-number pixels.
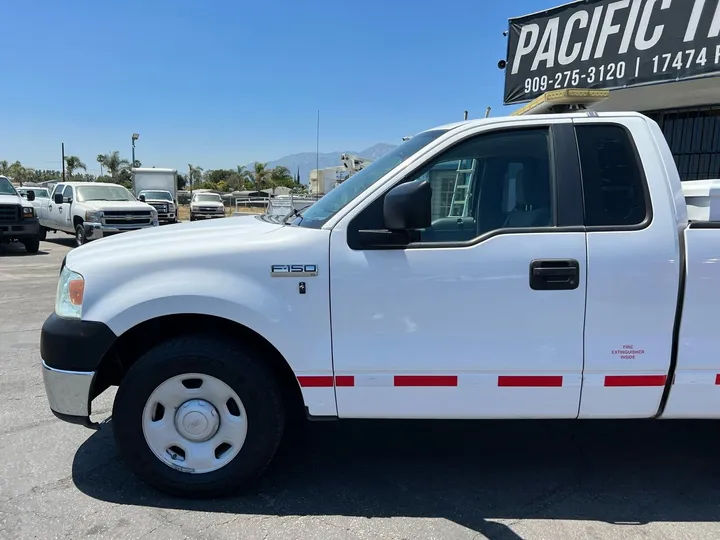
[{"x": 226, "y": 82}]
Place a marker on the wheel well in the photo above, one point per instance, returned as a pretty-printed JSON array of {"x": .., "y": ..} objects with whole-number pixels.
[
  {"x": 77, "y": 220},
  {"x": 141, "y": 338}
]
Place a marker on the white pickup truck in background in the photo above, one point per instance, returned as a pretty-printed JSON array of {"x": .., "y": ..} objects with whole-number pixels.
[
  {"x": 91, "y": 210},
  {"x": 519, "y": 267}
]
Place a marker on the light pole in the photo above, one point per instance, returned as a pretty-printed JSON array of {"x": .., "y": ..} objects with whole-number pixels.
[{"x": 135, "y": 137}]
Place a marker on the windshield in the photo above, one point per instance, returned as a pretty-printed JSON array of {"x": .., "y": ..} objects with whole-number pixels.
[
  {"x": 6, "y": 188},
  {"x": 103, "y": 193},
  {"x": 319, "y": 213},
  {"x": 157, "y": 195},
  {"x": 207, "y": 197}
]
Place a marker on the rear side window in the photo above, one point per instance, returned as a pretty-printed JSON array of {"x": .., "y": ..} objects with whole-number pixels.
[{"x": 613, "y": 185}]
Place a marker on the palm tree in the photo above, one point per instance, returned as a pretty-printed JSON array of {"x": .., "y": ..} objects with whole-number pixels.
[
  {"x": 259, "y": 175},
  {"x": 4, "y": 168},
  {"x": 114, "y": 163},
  {"x": 101, "y": 160},
  {"x": 19, "y": 173},
  {"x": 281, "y": 176},
  {"x": 243, "y": 175},
  {"x": 194, "y": 174},
  {"x": 73, "y": 163}
]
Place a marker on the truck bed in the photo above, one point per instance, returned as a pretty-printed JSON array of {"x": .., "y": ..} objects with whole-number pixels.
[{"x": 695, "y": 387}]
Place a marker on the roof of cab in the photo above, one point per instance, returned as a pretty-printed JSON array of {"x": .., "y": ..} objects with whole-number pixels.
[{"x": 520, "y": 119}]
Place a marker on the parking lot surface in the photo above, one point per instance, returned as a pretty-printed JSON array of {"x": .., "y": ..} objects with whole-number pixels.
[{"x": 346, "y": 480}]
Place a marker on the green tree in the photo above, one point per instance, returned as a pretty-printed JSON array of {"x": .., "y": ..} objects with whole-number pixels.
[
  {"x": 113, "y": 163},
  {"x": 101, "y": 160},
  {"x": 195, "y": 175},
  {"x": 281, "y": 177},
  {"x": 20, "y": 174},
  {"x": 181, "y": 181},
  {"x": 4, "y": 168},
  {"x": 260, "y": 175},
  {"x": 73, "y": 163}
]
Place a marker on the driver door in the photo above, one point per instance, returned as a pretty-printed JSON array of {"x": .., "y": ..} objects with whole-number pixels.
[{"x": 468, "y": 320}]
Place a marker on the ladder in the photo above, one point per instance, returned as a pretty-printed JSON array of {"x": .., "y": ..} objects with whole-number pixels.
[{"x": 461, "y": 190}]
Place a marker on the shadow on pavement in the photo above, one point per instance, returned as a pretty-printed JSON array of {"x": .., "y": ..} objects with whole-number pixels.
[
  {"x": 623, "y": 472},
  {"x": 16, "y": 249}
]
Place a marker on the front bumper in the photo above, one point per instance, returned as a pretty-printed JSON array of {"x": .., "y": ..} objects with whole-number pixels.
[
  {"x": 28, "y": 228},
  {"x": 207, "y": 215},
  {"x": 71, "y": 351},
  {"x": 95, "y": 231},
  {"x": 68, "y": 394}
]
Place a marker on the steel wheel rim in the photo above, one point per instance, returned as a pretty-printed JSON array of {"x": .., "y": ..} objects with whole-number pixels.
[
  {"x": 181, "y": 430},
  {"x": 79, "y": 236}
]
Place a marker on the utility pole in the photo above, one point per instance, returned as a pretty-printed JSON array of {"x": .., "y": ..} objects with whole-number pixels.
[
  {"x": 317, "y": 156},
  {"x": 63, "y": 161}
]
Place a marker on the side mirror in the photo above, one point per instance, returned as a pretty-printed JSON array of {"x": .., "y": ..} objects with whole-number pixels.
[
  {"x": 142, "y": 198},
  {"x": 58, "y": 198},
  {"x": 30, "y": 195},
  {"x": 407, "y": 207}
]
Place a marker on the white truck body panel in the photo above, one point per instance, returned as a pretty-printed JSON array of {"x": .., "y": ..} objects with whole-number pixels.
[
  {"x": 448, "y": 332},
  {"x": 153, "y": 178},
  {"x": 206, "y": 281}
]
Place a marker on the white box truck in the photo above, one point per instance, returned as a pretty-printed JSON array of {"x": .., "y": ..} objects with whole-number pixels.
[{"x": 158, "y": 188}]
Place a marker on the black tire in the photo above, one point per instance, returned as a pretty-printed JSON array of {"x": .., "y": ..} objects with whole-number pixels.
[
  {"x": 43, "y": 234},
  {"x": 243, "y": 370},
  {"x": 192, "y": 218},
  {"x": 80, "y": 235},
  {"x": 32, "y": 245}
]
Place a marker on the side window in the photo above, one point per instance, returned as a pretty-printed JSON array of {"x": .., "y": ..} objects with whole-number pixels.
[
  {"x": 57, "y": 189},
  {"x": 613, "y": 186},
  {"x": 492, "y": 181},
  {"x": 67, "y": 193}
]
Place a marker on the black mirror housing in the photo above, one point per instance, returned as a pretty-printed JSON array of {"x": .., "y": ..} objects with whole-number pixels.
[
  {"x": 58, "y": 198},
  {"x": 142, "y": 198},
  {"x": 407, "y": 207},
  {"x": 30, "y": 195}
]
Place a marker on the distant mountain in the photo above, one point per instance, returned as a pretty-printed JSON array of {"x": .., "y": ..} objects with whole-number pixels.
[{"x": 306, "y": 161}]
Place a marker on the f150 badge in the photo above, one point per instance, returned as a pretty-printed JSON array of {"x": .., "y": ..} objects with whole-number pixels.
[{"x": 293, "y": 270}]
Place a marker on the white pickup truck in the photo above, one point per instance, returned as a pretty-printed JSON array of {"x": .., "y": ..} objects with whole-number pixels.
[
  {"x": 91, "y": 210},
  {"x": 522, "y": 267}
]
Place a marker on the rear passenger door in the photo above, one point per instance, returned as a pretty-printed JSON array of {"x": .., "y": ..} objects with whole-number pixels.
[
  {"x": 633, "y": 272},
  {"x": 482, "y": 315}
]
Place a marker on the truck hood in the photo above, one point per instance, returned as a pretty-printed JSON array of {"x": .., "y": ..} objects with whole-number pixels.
[
  {"x": 14, "y": 199},
  {"x": 116, "y": 205},
  {"x": 170, "y": 243}
]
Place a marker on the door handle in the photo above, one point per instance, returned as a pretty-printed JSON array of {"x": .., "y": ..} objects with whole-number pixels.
[{"x": 554, "y": 274}]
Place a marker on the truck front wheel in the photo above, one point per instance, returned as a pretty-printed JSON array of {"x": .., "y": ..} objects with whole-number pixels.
[
  {"x": 32, "y": 245},
  {"x": 198, "y": 416}
]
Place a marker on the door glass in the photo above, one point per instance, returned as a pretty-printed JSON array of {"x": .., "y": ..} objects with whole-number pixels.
[
  {"x": 493, "y": 181},
  {"x": 67, "y": 193}
]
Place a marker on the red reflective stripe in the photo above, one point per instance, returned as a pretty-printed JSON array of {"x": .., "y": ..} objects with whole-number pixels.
[
  {"x": 425, "y": 380},
  {"x": 316, "y": 381},
  {"x": 635, "y": 380},
  {"x": 717, "y": 379},
  {"x": 325, "y": 381},
  {"x": 530, "y": 380}
]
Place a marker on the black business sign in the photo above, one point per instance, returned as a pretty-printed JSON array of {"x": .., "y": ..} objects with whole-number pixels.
[{"x": 611, "y": 44}]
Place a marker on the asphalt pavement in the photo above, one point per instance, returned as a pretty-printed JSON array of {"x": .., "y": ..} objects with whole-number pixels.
[{"x": 346, "y": 480}]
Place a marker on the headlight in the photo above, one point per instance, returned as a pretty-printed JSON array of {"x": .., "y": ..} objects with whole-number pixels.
[
  {"x": 93, "y": 216},
  {"x": 70, "y": 291},
  {"x": 28, "y": 212},
  {"x": 221, "y": 209}
]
